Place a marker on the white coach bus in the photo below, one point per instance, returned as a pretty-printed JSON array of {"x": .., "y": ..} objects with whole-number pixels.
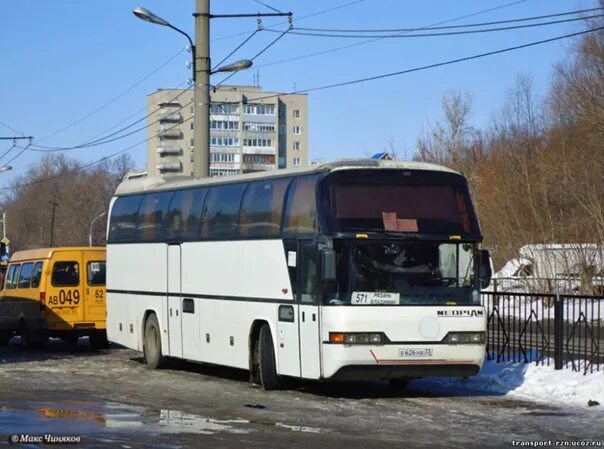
[{"x": 352, "y": 270}]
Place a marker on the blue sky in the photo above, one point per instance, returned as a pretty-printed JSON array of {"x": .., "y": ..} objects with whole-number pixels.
[{"x": 62, "y": 59}]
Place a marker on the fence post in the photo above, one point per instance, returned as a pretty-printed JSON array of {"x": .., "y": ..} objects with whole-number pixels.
[{"x": 558, "y": 332}]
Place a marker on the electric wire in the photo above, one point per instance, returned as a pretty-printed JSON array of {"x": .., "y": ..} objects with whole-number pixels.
[
  {"x": 11, "y": 128},
  {"x": 14, "y": 145},
  {"x": 112, "y": 100},
  {"x": 107, "y": 138},
  {"x": 23, "y": 150},
  {"x": 368, "y": 41},
  {"x": 98, "y": 161},
  {"x": 283, "y": 33},
  {"x": 324, "y": 11},
  {"x": 467, "y": 25},
  {"x": 446, "y": 33},
  {"x": 235, "y": 50}
]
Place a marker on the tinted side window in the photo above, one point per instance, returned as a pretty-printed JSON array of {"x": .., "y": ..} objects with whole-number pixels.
[
  {"x": 184, "y": 214},
  {"x": 262, "y": 208},
  {"x": 122, "y": 225},
  {"x": 25, "y": 276},
  {"x": 221, "y": 211},
  {"x": 96, "y": 272},
  {"x": 150, "y": 222},
  {"x": 301, "y": 211},
  {"x": 65, "y": 274},
  {"x": 13, "y": 275},
  {"x": 37, "y": 275}
]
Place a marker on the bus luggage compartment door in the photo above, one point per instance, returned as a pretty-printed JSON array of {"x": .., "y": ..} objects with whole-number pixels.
[{"x": 174, "y": 301}]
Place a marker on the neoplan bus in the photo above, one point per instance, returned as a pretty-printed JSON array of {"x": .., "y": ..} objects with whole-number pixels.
[
  {"x": 353, "y": 270},
  {"x": 54, "y": 292}
]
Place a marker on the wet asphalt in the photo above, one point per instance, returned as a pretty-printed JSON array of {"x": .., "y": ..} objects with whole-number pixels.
[{"x": 109, "y": 398}]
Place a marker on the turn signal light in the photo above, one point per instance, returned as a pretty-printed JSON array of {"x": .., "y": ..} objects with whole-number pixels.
[{"x": 357, "y": 338}]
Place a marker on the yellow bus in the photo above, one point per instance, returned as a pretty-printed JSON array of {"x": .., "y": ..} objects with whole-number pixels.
[{"x": 54, "y": 292}]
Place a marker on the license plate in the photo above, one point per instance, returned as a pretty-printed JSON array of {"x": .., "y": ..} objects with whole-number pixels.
[{"x": 415, "y": 353}]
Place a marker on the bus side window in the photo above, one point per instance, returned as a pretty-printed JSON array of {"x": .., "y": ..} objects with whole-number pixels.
[
  {"x": 122, "y": 224},
  {"x": 65, "y": 274},
  {"x": 13, "y": 275},
  {"x": 301, "y": 210},
  {"x": 221, "y": 212},
  {"x": 150, "y": 219},
  {"x": 35, "y": 279},
  {"x": 25, "y": 275},
  {"x": 96, "y": 273},
  {"x": 262, "y": 208},
  {"x": 184, "y": 214}
]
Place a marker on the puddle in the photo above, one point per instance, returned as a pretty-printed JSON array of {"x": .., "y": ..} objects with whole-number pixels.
[{"x": 85, "y": 418}]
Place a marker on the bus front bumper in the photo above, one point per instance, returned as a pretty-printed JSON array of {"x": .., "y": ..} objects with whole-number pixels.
[{"x": 370, "y": 363}]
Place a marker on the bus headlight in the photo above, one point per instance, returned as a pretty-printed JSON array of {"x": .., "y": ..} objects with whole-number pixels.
[
  {"x": 357, "y": 338},
  {"x": 464, "y": 338}
]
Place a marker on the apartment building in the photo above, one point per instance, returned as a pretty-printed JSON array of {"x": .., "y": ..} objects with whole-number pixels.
[{"x": 250, "y": 130}]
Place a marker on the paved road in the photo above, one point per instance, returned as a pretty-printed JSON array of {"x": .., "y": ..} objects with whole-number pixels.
[{"x": 110, "y": 398}]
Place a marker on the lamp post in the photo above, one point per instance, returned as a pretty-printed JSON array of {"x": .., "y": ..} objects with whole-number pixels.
[
  {"x": 5, "y": 168},
  {"x": 201, "y": 79},
  {"x": 90, "y": 230}
]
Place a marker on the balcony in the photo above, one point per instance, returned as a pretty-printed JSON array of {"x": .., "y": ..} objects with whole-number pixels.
[
  {"x": 170, "y": 117},
  {"x": 167, "y": 133},
  {"x": 259, "y": 150},
  {"x": 256, "y": 166},
  {"x": 169, "y": 150},
  {"x": 173, "y": 166}
]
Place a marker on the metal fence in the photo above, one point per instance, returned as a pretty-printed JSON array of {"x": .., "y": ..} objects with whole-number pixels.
[{"x": 567, "y": 330}]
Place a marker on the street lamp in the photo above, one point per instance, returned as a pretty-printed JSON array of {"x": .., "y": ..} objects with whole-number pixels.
[
  {"x": 5, "y": 168},
  {"x": 90, "y": 230},
  {"x": 201, "y": 80}
]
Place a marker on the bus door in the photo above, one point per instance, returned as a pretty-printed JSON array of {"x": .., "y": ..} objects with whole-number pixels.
[
  {"x": 174, "y": 301},
  {"x": 308, "y": 310},
  {"x": 93, "y": 266}
]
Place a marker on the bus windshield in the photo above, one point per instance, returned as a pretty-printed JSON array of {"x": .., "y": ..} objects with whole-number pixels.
[
  {"x": 422, "y": 202},
  {"x": 403, "y": 272}
]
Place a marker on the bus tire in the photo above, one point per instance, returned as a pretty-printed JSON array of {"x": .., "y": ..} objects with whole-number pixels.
[
  {"x": 152, "y": 343},
  {"x": 98, "y": 340},
  {"x": 269, "y": 378},
  {"x": 4, "y": 337},
  {"x": 29, "y": 339}
]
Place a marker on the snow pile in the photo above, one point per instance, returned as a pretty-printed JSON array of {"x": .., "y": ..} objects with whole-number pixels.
[{"x": 532, "y": 382}]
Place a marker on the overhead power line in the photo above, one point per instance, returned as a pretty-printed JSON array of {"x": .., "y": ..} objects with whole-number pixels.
[
  {"x": 114, "y": 99},
  {"x": 467, "y": 25},
  {"x": 445, "y": 33},
  {"x": 368, "y": 41}
]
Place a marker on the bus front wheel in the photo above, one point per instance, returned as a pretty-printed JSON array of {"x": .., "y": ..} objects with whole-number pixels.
[
  {"x": 269, "y": 378},
  {"x": 152, "y": 343}
]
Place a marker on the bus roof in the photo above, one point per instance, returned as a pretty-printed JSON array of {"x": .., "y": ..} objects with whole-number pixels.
[
  {"x": 46, "y": 253},
  {"x": 146, "y": 183}
]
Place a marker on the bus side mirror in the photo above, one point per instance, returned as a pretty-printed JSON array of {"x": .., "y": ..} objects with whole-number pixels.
[
  {"x": 328, "y": 264},
  {"x": 485, "y": 268}
]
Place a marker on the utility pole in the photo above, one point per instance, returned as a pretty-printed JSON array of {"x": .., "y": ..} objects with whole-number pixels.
[
  {"x": 201, "y": 92},
  {"x": 52, "y": 219}
]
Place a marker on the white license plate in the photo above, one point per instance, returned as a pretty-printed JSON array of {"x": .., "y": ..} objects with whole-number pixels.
[{"x": 415, "y": 353}]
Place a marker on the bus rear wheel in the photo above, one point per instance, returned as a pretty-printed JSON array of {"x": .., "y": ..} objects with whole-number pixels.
[
  {"x": 152, "y": 343},
  {"x": 98, "y": 340},
  {"x": 269, "y": 378}
]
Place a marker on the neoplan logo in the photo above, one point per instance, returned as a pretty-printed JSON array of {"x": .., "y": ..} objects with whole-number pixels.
[{"x": 459, "y": 313}]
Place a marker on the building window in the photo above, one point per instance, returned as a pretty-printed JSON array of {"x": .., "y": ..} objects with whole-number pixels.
[
  {"x": 224, "y": 141},
  {"x": 297, "y": 129},
  {"x": 259, "y": 109},
  {"x": 224, "y": 109},
  {"x": 192, "y": 109},
  {"x": 262, "y": 127},
  {"x": 296, "y": 113},
  {"x": 296, "y": 161},
  {"x": 257, "y": 143},
  {"x": 296, "y": 145},
  {"x": 282, "y": 129},
  {"x": 224, "y": 125},
  {"x": 192, "y": 125},
  {"x": 192, "y": 142}
]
